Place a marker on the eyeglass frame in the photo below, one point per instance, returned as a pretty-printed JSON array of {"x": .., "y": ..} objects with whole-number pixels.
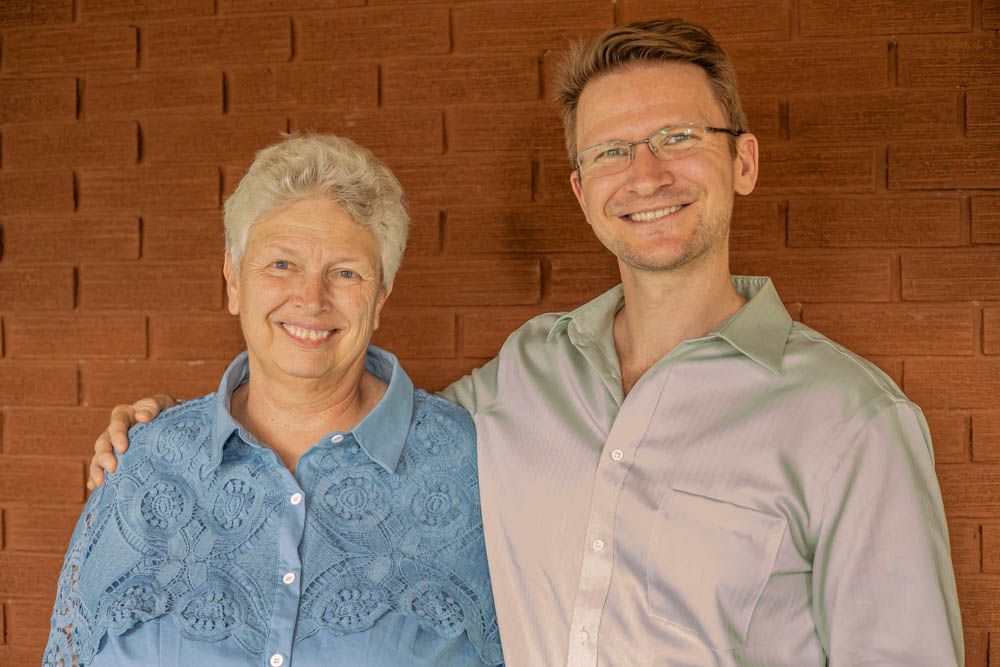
[{"x": 632, "y": 144}]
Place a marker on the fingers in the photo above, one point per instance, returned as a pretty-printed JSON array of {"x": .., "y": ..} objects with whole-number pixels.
[
  {"x": 122, "y": 419},
  {"x": 115, "y": 438},
  {"x": 103, "y": 460}
]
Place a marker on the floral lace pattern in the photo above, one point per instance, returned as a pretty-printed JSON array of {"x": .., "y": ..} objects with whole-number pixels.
[{"x": 172, "y": 535}]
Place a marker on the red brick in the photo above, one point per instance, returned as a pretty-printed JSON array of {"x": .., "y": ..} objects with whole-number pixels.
[
  {"x": 193, "y": 337},
  {"x": 986, "y": 437},
  {"x": 220, "y": 139},
  {"x": 372, "y": 33},
  {"x": 37, "y": 99},
  {"x": 757, "y": 224},
  {"x": 971, "y": 491},
  {"x": 3, "y": 630},
  {"x": 986, "y": 219},
  {"x": 525, "y": 229},
  {"x": 553, "y": 179},
  {"x": 484, "y": 331},
  {"x": 871, "y": 221},
  {"x": 70, "y": 49},
  {"x": 991, "y": 21},
  {"x": 130, "y": 10},
  {"x": 246, "y": 6},
  {"x": 22, "y": 655},
  {"x": 36, "y": 287},
  {"x": 792, "y": 168},
  {"x": 70, "y": 238},
  {"x": 896, "y": 329},
  {"x": 976, "y": 646},
  {"x": 148, "y": 188},
  {"x": 15, "y": 13},
  {"x": 28, "y": 620},
  {"x": 763, "y": 115},
  {"x": 417, "y": 334},
  {"x": 274, "y": 88},
  {"x": 36, "y": 192},
  {"x": 37, "y": 383},
  {"x": 149, "y": 285},
  {"x": 949, "y": 62},
  {"x": 527, "y": 26},
  {"x": 991, "y": 330},
  {"x": 891, "y": 367},
  {"x": 463, "y": 179},
  {"x": 762, "y": 20},
  {"x": 436, "y": 81},
  {"x": 185, "y": 235},
  {"x": 456, "y": 281},
  {"x": 953, "y": 383},
  {"x": 874, "y": 116},
  {"x": 110, "y": 383},
  {"x": 787, "y": 68},
  {"x": 44, "y": 529},
  {"x": 982, "y": 113},
  {"x": 822, "y": 277},
  {"x": 436, "y": 374},
  {"x": 966, "y": 545},
  {"x": 937, "y": 166},
  {"x": 510, "y": 128},
  {"x": 958, "y": 275},
  {"x": 401, "y": 132},
  {"x": 29, "y": 575},
  {"x": 425, "y": 232},
  {"x": 991, "y": 547},
  {"x": 56, "y": 432},
  {"x": 886, "y": 17},
  {"x": 202, "y": 42},
  {"x": 75, "y": 336},
  {"x": 136, "y": 94},
  {"x": 952, "y": 435},
  {"x": 35, "y": 479},
  {"x": 88, "y": 143},
  {"x": 576, "y": 279}
]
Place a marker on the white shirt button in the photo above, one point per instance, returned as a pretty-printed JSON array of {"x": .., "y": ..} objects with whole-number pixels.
[
  {"x": 336, "y": 438},
  {"x": 584, "y": 636},
  {"x": 277, "y": 660},
  {"x": 598, "y": 545},
  {"x": 617, "y": 455},
  {"x": 295, "y": 500},
  {"x": 289, "y": 577}
]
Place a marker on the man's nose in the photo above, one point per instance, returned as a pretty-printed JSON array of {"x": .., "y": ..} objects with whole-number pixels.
[{"x": 648, "y": 173}]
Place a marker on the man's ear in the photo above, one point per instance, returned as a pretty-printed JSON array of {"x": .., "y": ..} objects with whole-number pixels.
[
  {"x": 232, "y": 285},
  {"x": 577, "y": 185},
  {"x": 745, "y": 164}
]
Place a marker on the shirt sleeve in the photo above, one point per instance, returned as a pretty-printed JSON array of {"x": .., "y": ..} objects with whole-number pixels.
[
  {"x": 883, "y": 585},
  {"x": 475, "y": 391}
]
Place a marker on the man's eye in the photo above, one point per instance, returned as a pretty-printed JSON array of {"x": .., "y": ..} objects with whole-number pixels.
[
  {"x": 612, "y": 153},
  {"x": 679, "y": 138}
]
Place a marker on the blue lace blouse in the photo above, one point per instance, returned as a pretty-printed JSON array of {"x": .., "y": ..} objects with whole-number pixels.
[{"x": 203, "y": 549}]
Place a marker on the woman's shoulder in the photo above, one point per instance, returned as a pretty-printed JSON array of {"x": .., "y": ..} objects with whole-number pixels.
[
  {"x": 435, "y": 417},
  {"x": 175, "y": 437}
]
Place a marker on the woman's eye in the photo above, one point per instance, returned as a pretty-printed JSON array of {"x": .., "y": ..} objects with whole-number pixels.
[
  {"x": 347, "y": 274},
  {"x": 281, "y": 264}
]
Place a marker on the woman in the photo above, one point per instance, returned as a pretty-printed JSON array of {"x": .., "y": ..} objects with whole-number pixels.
[{"x": 316, "y": 509}]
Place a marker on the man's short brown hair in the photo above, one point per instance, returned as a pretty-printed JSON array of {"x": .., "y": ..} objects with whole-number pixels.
[{"x": 661, "y": 41}]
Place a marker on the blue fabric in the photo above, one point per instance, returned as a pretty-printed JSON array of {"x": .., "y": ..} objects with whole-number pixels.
[{"x": 182, "y": 557}]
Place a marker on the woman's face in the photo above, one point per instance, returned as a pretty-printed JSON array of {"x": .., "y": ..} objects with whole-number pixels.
[{"x": 308, "y": 292}]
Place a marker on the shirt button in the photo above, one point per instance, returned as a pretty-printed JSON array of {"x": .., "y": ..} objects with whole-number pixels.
[
  {"x": 617, "y": 455},
  {"x": 584, "y": 636},
  {"x": 295, "y": 500},
  {"x": 277, "y": 660},
  {"x": 598, "y": 545},
  {"x": 336, "y": 438},
  {"x": 289, "y": 577}
]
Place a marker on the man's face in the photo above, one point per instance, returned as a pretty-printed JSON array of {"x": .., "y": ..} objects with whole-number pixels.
[
  {"x": 661, "y": 215},
  {"x": 308, "y": 292}
]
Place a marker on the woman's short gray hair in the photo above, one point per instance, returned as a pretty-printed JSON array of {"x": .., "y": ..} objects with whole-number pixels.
[{"x": 307, "y": 165}]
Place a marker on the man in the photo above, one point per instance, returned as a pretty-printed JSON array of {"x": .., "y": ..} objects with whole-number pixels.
[{"x": 675, "y": 473}]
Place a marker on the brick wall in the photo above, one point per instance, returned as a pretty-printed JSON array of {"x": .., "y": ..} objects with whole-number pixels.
[{"x": 123, "y": 122}]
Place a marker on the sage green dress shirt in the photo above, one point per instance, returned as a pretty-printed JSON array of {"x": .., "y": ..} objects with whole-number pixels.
[{"x": 762, "y": 496}]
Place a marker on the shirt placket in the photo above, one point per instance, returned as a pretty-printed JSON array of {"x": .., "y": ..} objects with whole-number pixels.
[{"x": 617, "y": 455}]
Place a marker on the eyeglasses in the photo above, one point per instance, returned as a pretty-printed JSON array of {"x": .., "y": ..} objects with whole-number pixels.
[{"x": 671, "y": 142}]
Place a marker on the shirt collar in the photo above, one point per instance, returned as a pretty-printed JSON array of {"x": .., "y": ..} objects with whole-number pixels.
[
  {"x": 381, "y": 434},
  {"x": 758, "y": 330}
]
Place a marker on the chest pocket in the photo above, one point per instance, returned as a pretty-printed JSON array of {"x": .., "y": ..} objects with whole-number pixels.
[{"x": 707, "y": 562}]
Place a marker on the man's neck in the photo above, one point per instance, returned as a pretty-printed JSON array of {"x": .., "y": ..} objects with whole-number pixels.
[
  {"x": 664, "y": 308},
  {"x": 291, "y": 416}
]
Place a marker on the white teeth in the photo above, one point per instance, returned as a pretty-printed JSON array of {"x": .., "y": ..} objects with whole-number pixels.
[
  {"x": 646, "y": 216},
  {"x": 307, "y": 334}
]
